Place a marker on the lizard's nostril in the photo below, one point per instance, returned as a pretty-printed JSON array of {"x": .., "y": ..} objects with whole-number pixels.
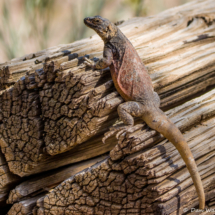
[{"x": 86, "y": 19}]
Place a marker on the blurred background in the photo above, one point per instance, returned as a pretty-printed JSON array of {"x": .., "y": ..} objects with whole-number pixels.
[{"x": 28, "y": 26}]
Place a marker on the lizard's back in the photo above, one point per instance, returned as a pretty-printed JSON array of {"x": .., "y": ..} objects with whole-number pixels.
[{"x": 129, "y": 74}]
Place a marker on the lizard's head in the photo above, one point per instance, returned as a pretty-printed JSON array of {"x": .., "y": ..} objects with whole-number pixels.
[{"x": 103, "y": 27}]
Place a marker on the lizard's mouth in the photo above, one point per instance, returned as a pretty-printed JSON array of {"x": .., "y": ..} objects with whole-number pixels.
[{"x": 88, "y": 22}]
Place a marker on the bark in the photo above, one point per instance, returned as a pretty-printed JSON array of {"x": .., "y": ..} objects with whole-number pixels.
[{"x": 56, "y": 114}]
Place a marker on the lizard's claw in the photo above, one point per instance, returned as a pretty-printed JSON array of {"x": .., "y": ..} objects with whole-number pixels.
[
  {"x": 89, "y": 63},
  {"x": 116, "y": 129}
]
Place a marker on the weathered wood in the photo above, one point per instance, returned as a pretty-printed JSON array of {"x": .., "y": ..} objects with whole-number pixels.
[
  {"x": 64, "y": 104},
  {"x": 183, "y": 180},
  {"x": 47, "y": 181},
  {"x": 7, "y": 181},
  {"x": 122, "y": 187},
  {"x": 189, "y": 202},
  {"x": 56, "y": 115},
  {"x": 3, "y": 198},
  {"x": 184, "y": 116},
  {"x": 24, "y": 207}
]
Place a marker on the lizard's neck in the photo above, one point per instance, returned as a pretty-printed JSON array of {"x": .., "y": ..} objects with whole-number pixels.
[{"x": 119, "y": 37}]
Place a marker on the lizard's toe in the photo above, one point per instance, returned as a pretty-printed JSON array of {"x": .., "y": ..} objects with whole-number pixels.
[
  {"x": 89, "y": 62},
  {"x": 116, "y": 129},
  {"x": 92, "y": 65},
  {"x": 119, "y": 133},
  {"x": 122, "y": 130},
  {"x": 107, "y": 135},
  {"x": 87, "y": 59}
]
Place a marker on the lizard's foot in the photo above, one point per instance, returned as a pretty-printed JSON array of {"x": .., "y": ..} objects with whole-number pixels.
[
  {"x": 89, "y": 63},
  {"x": 117, "y": 129}
]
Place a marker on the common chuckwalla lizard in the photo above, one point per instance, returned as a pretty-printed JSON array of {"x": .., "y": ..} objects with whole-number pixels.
[{"x": 133, "y": 83}]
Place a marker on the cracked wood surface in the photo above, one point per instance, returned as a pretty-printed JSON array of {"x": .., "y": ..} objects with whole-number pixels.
[
  {"x": 156, "y": 176},
  {"x": 7, "y": 180},
  {"x": 47, "y": 181},
  {"x": 25, "y": 206},
  {"x": 184, "y": 116},
  {"x": 25, "y": 195},
  {"x": 130, "y": 186},
  {"x": 63, "y": 104},
  {"x": 57, "y": 113}
]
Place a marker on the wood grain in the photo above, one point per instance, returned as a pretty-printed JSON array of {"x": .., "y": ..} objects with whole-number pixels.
[{"x": 54, "y": 112}]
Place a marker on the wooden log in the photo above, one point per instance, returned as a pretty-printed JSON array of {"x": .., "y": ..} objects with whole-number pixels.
[{"x": 64, "y": 104}]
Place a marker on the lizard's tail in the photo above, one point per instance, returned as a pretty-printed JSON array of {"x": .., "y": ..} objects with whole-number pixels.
[{"x": 158, "y": 121}]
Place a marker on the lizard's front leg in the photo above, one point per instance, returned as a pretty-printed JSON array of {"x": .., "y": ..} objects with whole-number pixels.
[
  {"x": 126, "y": 112},
  {"x": 103, "y": 62}
]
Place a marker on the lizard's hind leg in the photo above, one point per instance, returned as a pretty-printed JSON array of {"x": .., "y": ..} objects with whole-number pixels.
[{"x": 126, "y": 112}]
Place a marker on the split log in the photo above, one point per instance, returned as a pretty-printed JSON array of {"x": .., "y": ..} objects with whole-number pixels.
[
  {"x": 26, "y": 194},
  {"x": 7, "y": 180},
  {"x": 47, "y": 181},
  {"x": 57, "y": 113},
  {"x": 63, "y": 105},
  {"x": 24, "y": 207}
]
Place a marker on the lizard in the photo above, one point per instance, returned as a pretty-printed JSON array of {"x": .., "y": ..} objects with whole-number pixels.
[{"x": 133, "y": 83}]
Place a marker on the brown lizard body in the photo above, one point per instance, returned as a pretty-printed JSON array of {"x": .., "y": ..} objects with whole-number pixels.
[{"x": 133, "y": 83}]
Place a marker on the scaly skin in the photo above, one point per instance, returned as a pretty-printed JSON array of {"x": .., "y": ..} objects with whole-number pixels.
[{"x": 133, "y": 83}]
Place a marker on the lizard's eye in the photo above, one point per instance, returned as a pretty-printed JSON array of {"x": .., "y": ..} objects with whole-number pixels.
[{"x": 97, "y": 20}]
